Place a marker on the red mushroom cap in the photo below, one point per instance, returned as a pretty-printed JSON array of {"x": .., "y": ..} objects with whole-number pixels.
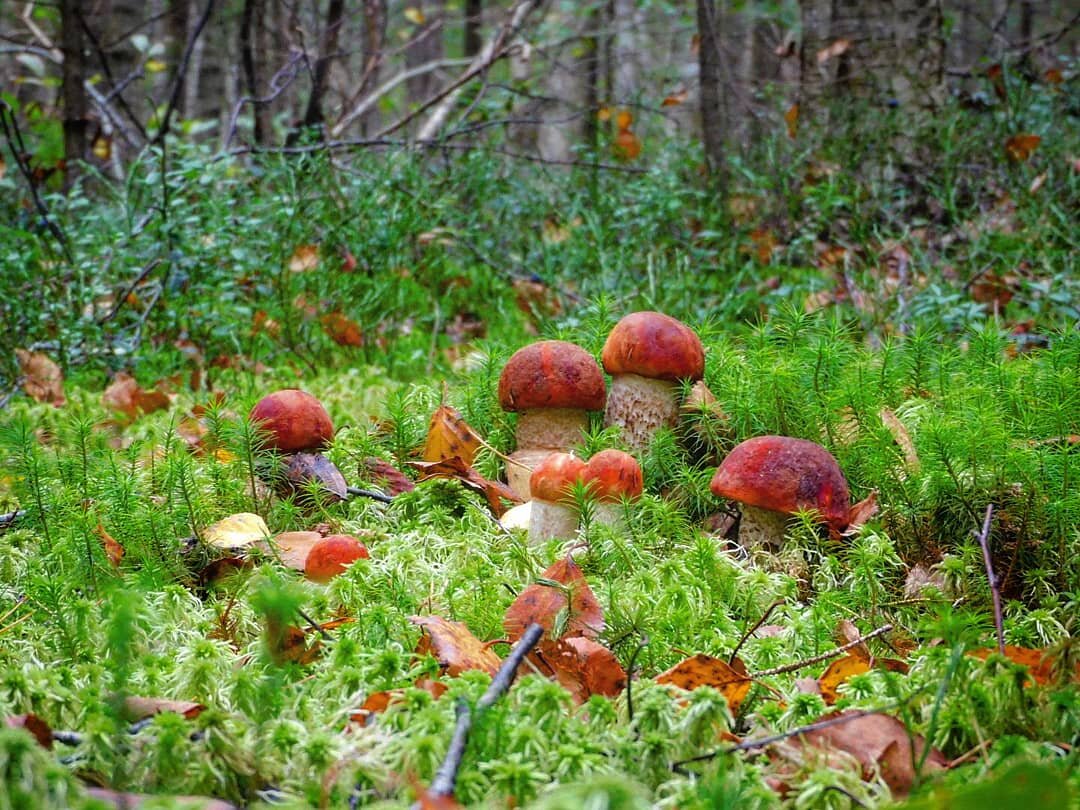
[
  {"x": 552, "y": 374},
  {"x": 787, "y": 475},
  {"x": 612, "y": 475},
  {"x": 294, "y": 420},
  {"x": 555, "y": 476},
  {"x": 329, "y": 556},
  {"x": 654, "y": 345}
]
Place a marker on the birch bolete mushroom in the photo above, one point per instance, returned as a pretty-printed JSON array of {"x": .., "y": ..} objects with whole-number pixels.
[
  {"x": 552, "y": 385},
  {"x": 293, "y": 421},
  {"x": 772, "y": 478},
  {"x": 613, "y": 477},
  {"x": 554, "y": 513},
  {"x": 647, "y": 354},
  {"x": 331, "y": 555}
]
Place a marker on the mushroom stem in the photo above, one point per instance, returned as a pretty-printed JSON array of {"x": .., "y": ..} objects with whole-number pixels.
[
  {"x": 610, "y": 513},
  {"x": 556, "y": 428},
  {"x": 761, "y": 529},
  {"x": 640, "y": 406},
  {"x": 520, "y": 467},
  {"x": 548, "y": 520}
]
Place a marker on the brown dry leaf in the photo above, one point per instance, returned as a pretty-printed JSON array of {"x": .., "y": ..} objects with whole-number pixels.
[
  {"x": 626, "y": 146},
  {"x": 703, "y": 670},
  {"x": 304, "y": 469},
  {"x": 292, "y": 547},
  {"x": 902, "y": 438},
  {"x": 546, "y": 605},
  {"x": 388, "y": 477},
  {"x": 848, "y": 633},
  {"x": 449, "y": 435},
  {"x": 495, "y": 491},
  {"x": 289, "y": 643},
  {"x": 1050, "y": 76},
  {"x": 878, "y": 742},
  {"x": 43, "y": 380},
  {"x": 304, "y": 258},
  {"x": 222, "y": 568},
  {"x": 536, "y": 298},
  {"x": 37, "y": 727},
  {"x": 1018, "y": 148},
  {"x": 126, "y": 397},
  {"x": 676, "y": 98},
  {"x": 342, "y": 330},
  {"x": 114, "y": 552},
  {"x": 831, "y": 51},
  {"x": 791, "y": 118},
  {"x": 996, "y": 290},
  {"x": 139, "y": 708},
  {"x": 996, "y": 75},
  {"x": 132, "y": 801},
  {"x": 861, "y": 512},
  {"x": 1038, "y": 663},
  {"x": 765, "y": 244},
  {"x": 454, "y": 646},
  {"x": 379, "y": 702},
  {"x": 838, "y": 672},
  {"x": 582, "y": 666}
]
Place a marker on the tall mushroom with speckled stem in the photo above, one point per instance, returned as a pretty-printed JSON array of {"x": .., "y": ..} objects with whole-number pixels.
[
  {"x": 772, "y": 478},
  {"x": 552, "y": 385},
  {"x": 647, "y": 354}
]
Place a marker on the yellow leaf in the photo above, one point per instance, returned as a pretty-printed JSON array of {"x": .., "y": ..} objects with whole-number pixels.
[
  {"x": 838, "y": 672},
  {"x": 448, "y": 436},
  {"x": 414, "y": 15},
  {"x": 603, "y": 114},
  {"x": 155, "y": 66},
  {"x": 102, "y": 147},
  {"x": 236, "y": 531},
  {"x": 730, "y": 680},
  {"x": 623, "y": 120}
]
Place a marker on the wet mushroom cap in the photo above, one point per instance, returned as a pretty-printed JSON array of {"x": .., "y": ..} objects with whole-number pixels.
[
  {"x": 552, "y": 374},
  {"x": 783, "y": 474},
  {"x": 331, "y": 555},
  {"x": 612, "y": 475},
  {"x": 293, "y": 420},
  {"x": 555, "y": 476},
  {"x": 654, "y": 345}
]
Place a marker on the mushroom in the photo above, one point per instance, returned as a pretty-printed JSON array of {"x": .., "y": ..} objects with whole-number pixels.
[
  {"x": 293, "y": 420},
  {"x": 772, "y": 478},
  {"x": 552, "y": 384},
  {"x": 331, "y": 555},
  {"x": 612, "y": 477},
  {"x": 554, "y": 513},
  {"x": 646, "y": 354}
]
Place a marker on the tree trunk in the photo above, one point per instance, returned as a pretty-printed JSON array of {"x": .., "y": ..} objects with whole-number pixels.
[
  {"x": 335, "y": 15},
  {"x": 252, "y": 60},
  {"x": 712, "y": 124},
  {"x": 474, "y": 19},
  {"x": 427, "y": 46},
  {"x": 76, "y": 105},
  {"x": 375, "y": 20}
]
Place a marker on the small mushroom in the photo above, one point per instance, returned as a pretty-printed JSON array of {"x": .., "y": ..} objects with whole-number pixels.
[
  {"x": 554, "y": 513},
  {"x": 646, "y": 354},
  {"x": 553, "y": 385},
  {"x": 293, "y": 421},
  {"x": 331, "y": 555},
  {"x": 772, "y": 478},
  {"x": 613, "y": 477}
]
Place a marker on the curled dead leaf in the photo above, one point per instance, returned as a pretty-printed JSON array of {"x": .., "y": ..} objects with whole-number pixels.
[
  {"x": 545, "y": 602},
  {"x": 125, "y": 396},
  {"x": 449, "y": 435},
  {"x": 454, "y": 646},
  {"x": 43, "y": 380}
]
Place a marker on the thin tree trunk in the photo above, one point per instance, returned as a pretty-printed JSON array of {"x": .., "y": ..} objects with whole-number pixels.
[
  {"x": 250, "y": 22},
  {"x": 335, "y": 15},
  {"x": 76, "y": 103},
  {"x": 474, "y": 18},
  {"x": 427, "y": 46},
  {"x": 712, "y": 124},
  {"x": 375, "y": 20}
]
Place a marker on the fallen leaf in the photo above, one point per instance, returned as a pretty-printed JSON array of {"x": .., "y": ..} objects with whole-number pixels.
[
  {"x": 791, "y": 118},
  {"x": 454, "y": 646},
  {"x": 291, "y": 548},
  {"x": 1018, "y": 148},
  {"x": 101, "y": 148},
  {"x": 388, "y": 477},
  {"x": 114, "y": 552},
  {"x": 838, "y": 672},
  {"x": 495, "y": 491},
  {"x": 765, "y": 244},
  {"x": 703, "y": 670},
  {"x": 37, "y": 727},
  {"x": 414, "y": 15},
  {"x": 848, "y": 633},
  {"x": 221, "y": 568},
  {"x": 582, "y": 666},
  {"x": 449, "y": 435},
  {"x": 832, "y": 50},
  {"x": 534, "y": 298},
  {"x": 342, "y": 330},
  {"x": 305, "y": 470},
  {"x": 236, "y": 531},
  {"x": 1050, "y": 76},
  {"x": 546, "y": 604},
  {"x": 997, "y": 79},
  {"x": 304, "y": 258},
  {"x": 125, "y": 396},
  {"x": 139, "y": 708},
  {"x": 1037, "y": 183},
  {"x": 626, "y": 146},
  {"x": 379, "y": 702},
  {"x": 1037, "y": 662},
  {"x": 676, "y": 98},
  {"x": 43, "y": 380},
  {"x": 902, "y": 438}
]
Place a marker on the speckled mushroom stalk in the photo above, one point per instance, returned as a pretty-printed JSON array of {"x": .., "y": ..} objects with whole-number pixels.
[
  {"x": 552, "y": 385},
  {"x": 646, "y": 354},
  {"x": 554, "y": 513},
  {"x": 772, "y": 478},
  {"x": 613, "y": 477}
]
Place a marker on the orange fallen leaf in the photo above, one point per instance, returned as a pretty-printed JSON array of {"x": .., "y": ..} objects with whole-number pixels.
[
  {"x": 623, "y": 120},
  {"x": 43, "y": 380},
  {"x": 449, "y": 435},
  {"x": 676, "y": 98},
  {"x": 1018, "y": 148},
  {"x": 997, "y": 78},
  {"x": 703, "y": 670},
  {"x": 838, "y": 672},
  {"x": 626, "y": 146},
  {"x": 583, "y": 667},
  {"x": 379, "y": 702},
  {"x": 1036, "y": 661},
  {"x": 125, "y": 396},
  {"x": 495, "y": 491},
  {"x": 454, "y": 646},
  {"x": 114, "y": 552},
  {"x": 304, "y": 258},
  {"x": 342, "y": 330},
  {"x": 546, "y": 604}
]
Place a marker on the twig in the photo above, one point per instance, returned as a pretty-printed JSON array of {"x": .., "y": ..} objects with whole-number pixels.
[
  {"x": 181, "y": 71},
  {"x": 139, "y": 279},
  {"x": 357, "y": 492},
  {"x": 7, "y": 519},
  {"x": 314, "y": 624},
  {"x": 752, "y": 630},
  {"x": 995, "y": 590},
  {"x": 817, "y": 659},
  {"x": 446, "y": 776}
]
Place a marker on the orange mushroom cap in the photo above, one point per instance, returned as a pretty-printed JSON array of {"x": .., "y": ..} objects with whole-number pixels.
[
  {"x": 331, "y": 555},
  {"x": 555, "y": 476},
  {"x": 552, "y": 374},
  {"x": 294, "y": 420},
  {"x": 786, "y": 475},
  {"x": 612, "y": 475},
  {"x": 654, "y": 345}
]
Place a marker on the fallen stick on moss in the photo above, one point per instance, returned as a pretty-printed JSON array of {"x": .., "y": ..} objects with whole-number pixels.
[
  {"x": 995, "y": 587},
  {"x": 825, "y": 656}
]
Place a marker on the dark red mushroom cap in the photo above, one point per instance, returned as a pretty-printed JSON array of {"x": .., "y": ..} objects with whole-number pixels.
[
  {"x": 787, "y": 475},
  {"x": 654, "y": 345},
  {"x": 555, "y": 476},
  {"x": 294, "y": 420},
  {"x": 612, "y": 475},
  {"x": 552, "y": 374}
]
